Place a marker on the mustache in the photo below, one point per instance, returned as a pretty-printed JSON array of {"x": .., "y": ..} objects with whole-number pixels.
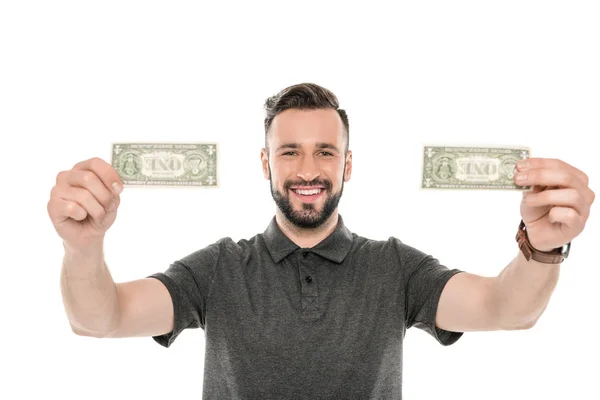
[{"x": 315, "y": 182}]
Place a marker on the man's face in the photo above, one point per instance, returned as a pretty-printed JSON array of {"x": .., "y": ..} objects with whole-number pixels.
[{"x": 306, "y": 164}]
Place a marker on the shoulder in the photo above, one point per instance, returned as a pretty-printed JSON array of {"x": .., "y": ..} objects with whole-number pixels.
[
  {"x": 225, "y": 248},
  {"x": 390, "y": 247},
  {"x": 211, "y": 253}
]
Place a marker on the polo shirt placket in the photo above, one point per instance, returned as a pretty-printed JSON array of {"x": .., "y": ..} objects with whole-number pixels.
[{"x": 308, "y": 285}]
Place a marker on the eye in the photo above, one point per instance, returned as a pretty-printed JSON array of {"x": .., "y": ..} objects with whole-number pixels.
[
  {"x": 289, "y": 153},
  {"x": 325, "y": 153}
]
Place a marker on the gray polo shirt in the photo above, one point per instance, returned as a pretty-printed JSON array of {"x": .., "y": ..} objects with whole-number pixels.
[{"x": 284, "y": 322}]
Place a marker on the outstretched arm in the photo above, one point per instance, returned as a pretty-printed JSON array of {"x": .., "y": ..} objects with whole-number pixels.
[{"x": 554, "y": 213}]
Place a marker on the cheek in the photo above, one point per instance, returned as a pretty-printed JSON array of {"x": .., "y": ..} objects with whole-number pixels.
[
  {"x": 334, "y": 171},
  {"x": 282, "y": 170}
]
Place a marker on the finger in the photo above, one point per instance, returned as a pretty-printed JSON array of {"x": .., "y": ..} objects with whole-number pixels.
[
  {"x": 552, "y": 163},
  {"x": 567, "y": 216},
  {"x": 60, "y": 210},
  {"x": 85, "y": 200},
  {"x": 559, "y": 197},
  {"x": 107, "y": 174},
  {"x": 91, "y": 182},
  {"x": 534, "y": 189},
  {"x": 549, "y": 177}
]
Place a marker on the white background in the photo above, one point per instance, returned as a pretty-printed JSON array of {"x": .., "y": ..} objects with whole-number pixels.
[{"x": 76, "y": 76}]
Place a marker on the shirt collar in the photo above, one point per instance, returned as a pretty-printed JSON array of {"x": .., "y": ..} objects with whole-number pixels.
[{"x": 334, "y": 247}]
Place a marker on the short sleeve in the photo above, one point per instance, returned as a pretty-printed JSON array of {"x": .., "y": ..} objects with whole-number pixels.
[
  {"x": 188, "y": 282},
  {"x": 426, "y": 279}
]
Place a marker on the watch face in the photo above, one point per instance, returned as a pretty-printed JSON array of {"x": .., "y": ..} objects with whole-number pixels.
[{"x": 566, "y": 249}]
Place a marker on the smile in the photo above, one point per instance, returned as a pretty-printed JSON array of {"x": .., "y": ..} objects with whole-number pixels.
[
  {"x": 308, "y": 195},
  {"x": 308, "y": 192}
]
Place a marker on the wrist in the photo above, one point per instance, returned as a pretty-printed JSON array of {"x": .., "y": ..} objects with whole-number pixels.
[
  {"x": 553, "y": 256},
  {"x": 87, "y": 251}
]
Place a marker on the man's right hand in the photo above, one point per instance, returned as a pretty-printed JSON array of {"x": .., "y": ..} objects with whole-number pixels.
[{"x": 83, "y": 204}]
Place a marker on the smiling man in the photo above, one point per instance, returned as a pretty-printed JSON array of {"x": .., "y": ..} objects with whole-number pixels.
[
  {"x": 310, "y": 162},
  {"x": 308, "y": 309}
]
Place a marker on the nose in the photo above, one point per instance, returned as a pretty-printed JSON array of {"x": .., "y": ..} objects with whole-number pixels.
[{"x": 308, "y": 169}]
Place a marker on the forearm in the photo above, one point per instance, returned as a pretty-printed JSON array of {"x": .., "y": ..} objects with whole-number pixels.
[
  {"x": 522, "y": 291},
  {"x": 89, "y": 292}
]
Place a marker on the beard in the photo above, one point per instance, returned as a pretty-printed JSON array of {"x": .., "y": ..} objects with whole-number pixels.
[{"x": 309, "y": 217}]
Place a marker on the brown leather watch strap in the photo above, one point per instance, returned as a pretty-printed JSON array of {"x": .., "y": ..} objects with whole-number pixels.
[{"x": 555, "y": 256}]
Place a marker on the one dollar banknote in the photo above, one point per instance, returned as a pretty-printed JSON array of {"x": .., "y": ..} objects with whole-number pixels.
[
  {"x": 166, "y": 164},
  {"x": 448, "y": 167}
]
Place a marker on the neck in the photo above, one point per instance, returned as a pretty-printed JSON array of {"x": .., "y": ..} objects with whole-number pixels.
[{"x": 304, "y": 237}]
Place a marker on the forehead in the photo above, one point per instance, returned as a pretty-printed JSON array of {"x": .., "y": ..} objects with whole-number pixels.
[{"x": 307, "y": 126}]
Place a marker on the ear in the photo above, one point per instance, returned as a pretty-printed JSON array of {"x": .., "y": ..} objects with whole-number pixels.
[
  {"x": 348, "y": 166},
  {"x": 264, "y": 159}
]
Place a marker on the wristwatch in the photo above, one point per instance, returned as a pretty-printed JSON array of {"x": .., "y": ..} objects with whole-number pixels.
[{"x": 555, "y": 256}]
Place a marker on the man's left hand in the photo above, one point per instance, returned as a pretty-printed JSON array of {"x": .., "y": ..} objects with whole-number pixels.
[{"x": 556, "y": 209}]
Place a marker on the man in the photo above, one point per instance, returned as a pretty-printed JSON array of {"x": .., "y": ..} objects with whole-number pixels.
[{"x": 307, "y": 309}]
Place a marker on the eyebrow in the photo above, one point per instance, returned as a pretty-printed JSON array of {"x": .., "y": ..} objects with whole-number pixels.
[{"x": 319, "y": 145}]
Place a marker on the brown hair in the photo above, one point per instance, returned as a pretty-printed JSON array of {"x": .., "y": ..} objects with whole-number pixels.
[{"x": 304, "y": 96}]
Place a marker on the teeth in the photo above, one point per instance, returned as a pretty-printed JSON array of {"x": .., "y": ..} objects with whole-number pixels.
[{"x": 308, "y": 192}]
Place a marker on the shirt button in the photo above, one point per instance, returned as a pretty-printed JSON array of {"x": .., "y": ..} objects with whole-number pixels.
[
  {"x": 305, "y": 254},
  {"x": 308, "y": 279}
]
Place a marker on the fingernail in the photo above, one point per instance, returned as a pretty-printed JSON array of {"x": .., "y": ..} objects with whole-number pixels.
[
  {"x": 117, "y": 187},
  {"x": 112, "y": 206},
  {"x": 521, "y": 176},
  {"x": 522, "y": 164}
]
